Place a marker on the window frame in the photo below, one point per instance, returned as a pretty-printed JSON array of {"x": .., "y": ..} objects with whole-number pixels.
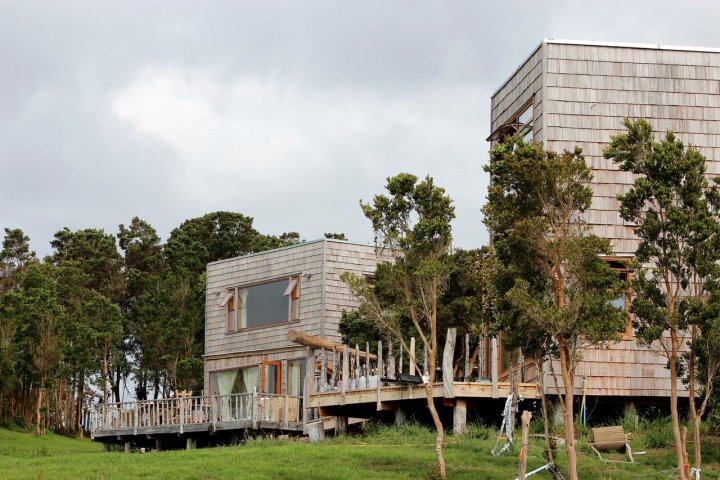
[
  {"x": 293, "y": 310},
  {"x": 623, "y": 270}
]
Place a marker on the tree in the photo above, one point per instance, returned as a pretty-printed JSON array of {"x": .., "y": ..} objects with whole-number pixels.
[
  {"x": 671, "y": 203},
  {"x": 535, "y": 202},
  {"x": 412, "y": 225}
]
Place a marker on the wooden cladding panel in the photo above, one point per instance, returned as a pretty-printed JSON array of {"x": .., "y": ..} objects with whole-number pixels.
[
  {"x": 340, "y": 258},
  {"x": 591, "y": 89},
  {"x": 305, "y": 260},
  {"x": 622, "y": 368},
  {"x": 518, "y": 90}
]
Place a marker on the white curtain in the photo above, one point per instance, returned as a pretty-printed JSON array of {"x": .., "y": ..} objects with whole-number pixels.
[
  {"x": 293, "y": 380},
  {"x": 225, "y": 381},
  {"x": 250, "y": 378}
]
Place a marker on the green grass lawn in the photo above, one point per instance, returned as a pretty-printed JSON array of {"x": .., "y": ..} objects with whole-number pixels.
[{"x": 381, "y": 453}]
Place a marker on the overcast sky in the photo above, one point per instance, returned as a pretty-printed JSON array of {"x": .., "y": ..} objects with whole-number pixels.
[{"x": 289, "y": 112}]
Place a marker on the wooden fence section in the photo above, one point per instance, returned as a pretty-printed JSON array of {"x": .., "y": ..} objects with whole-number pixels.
[
  {"x": 180, "y": 415},
  {"x": 338, "y": 375}
]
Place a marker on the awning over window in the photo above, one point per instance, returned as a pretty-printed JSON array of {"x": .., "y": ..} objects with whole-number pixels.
[
  {"x": 291, "y": 286},
  {"x": 226, "y": 299}
]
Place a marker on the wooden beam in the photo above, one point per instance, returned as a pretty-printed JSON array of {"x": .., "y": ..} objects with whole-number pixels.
[
  {"x": 302, "y": 338},
  {"x": 494, "y": 367}
]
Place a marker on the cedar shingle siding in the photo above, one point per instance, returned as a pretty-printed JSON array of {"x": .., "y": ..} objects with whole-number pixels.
[{"x": 582, "y": 92}]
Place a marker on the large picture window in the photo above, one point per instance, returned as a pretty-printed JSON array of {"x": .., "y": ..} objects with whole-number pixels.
[{"x": 262, "y": 304}]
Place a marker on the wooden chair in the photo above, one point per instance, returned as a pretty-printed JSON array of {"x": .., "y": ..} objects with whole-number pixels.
[{"x": 609, "y": 438}]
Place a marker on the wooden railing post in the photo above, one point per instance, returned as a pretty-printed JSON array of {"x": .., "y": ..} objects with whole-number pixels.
[
  {"x": 137, "y": 419},
  {"x": 379, "y": 369},
  {"x": 213, "y": 411},
  {"x": 466, "y": 374},
  {"x": 447, "y": 365},
  {"x": 412, "y": 356},
  {"x": 255, "y": 409},
  {"x": 345, "y": 373},
  {"x": 391, "y": 362},
  {"x": 309, "y": 380},
  {"x": 287, "y": 408},
  {"x": 494, "y": 371},
  {"x": 182, "y": 416}
]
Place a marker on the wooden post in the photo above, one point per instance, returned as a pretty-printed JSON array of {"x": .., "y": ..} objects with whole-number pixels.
[
  {"x": 323, "y": 370},
  {"x": 341, "y": 424},
  {"x": 255, "y": 413},
  {"x": 390, "y": 362},
  {"x": 309, "y": 380},
  {"x": 412, "y": 356},
  {"x": 137, "y": 418},
  {"x": 182, "y": 416},
  {"x": 285, "y": 413},
  {"x": 447, "y": 365},
  {"x": 494, "y": 367},
  {"x": 188, "y": 443},
  {"x": 379, "y": 369},
  {"x": 357, "y": 364},
  {"x": 525, "y": 419},
  {"x": 460, "y": 417},
  {"x": 481, "y": 357},
  {"x": 367, "y": 365},
  {"x": 127, "y": 447},
  {"x": 334, "y": 375},
  {"x": 400, "y": 363},
  {"x": 213, "y": 410},
  {"x": 345, "y": 373},
  {"x": 425, "y": 363},
  {"x": 466, "y": 374}
]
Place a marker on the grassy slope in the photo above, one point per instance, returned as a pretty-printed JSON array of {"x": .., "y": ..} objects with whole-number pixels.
[{"x": 386, "y": 453}]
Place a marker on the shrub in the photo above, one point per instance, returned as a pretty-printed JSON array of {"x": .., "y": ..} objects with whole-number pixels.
[{"x": 657, "y": 432}]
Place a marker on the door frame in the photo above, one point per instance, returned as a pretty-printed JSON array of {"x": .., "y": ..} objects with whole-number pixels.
[{"x": 278, "y": 377}]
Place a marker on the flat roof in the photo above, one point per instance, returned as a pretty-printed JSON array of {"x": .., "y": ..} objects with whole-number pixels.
[
  {"x": 591, "y": 43},
  {"x": 297, "y": 245}
]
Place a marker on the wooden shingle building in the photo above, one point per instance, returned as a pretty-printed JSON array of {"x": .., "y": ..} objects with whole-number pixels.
[
  {"x": 569, "y": 93},
  {"x": 254, "y": 301}
]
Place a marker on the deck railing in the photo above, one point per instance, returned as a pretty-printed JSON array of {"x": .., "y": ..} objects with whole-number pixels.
[{"x": 246, "y": 409}]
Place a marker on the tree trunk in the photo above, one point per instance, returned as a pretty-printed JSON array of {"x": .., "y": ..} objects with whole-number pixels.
[
  {"x": 440, "y": 438},
  {"x": 38, "y": 406},
  {"x": 546, "y": 418},
  {"x": 694, "y": 416},
  {"x": 569, "y": 417},
  {"x": 80, "y": 398},
  {"x": 679, "y": 454}
]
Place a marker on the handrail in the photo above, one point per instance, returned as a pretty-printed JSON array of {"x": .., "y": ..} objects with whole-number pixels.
[{"x": 196, "y": 410}]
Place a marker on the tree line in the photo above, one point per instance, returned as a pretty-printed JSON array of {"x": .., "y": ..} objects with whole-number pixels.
[{"x": 106, "y": 312}]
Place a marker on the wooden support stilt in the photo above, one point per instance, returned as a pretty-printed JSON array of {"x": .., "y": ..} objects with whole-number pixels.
[
  {"x": 127, "y": 447},
  {"x": 447, "y": 364},
  {"x": 460, "y": 417}
]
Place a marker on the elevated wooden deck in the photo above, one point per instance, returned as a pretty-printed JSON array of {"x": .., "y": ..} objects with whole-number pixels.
[
  {"x": 182, "y": 416},
  {"x": 398, "y": 393}
]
